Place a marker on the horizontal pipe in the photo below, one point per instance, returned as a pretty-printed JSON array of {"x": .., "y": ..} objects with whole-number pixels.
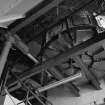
[
  {"x": 32, "y": 58},
  {"x": 58, "y": 83}
]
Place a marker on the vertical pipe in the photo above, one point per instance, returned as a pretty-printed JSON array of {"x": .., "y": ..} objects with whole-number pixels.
[
  {"x": 4, "y": 54},
  {"x": 3, "y": 59}
]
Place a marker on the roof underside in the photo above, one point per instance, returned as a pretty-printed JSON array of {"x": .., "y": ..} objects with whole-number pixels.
[{"x": 63, "y": 44}]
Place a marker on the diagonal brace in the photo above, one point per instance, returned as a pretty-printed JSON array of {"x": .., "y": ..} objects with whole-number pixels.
[{"x": 90, "y": 76}]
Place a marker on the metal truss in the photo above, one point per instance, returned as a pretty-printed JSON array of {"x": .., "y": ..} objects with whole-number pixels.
[
  {"x": 73, "y": 52},
  {"x": 85, "y": 46}
]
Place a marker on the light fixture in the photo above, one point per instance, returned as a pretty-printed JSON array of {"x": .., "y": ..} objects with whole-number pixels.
[{"x": 100, "y": 21}]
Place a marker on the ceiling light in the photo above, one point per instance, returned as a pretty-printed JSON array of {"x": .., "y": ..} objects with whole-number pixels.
[{"x": 101, "y": 21}]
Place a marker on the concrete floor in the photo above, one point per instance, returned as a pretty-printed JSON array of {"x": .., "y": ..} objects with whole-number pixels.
[{"x": 62, "y": 96}]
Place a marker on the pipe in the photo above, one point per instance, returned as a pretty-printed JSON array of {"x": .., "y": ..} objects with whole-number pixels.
[
  {"x": 58, "y": 83},
  {"x": 32, "y": 58},
  {"x": 4, "y": 55},
  {"x": 23, "y": 48},
  {"x": 3, "y": 60},
  {"x": 85, "y": 46}
]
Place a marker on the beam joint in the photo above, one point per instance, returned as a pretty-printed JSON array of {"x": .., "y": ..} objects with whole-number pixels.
[{"x": 89, "y": 75}]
